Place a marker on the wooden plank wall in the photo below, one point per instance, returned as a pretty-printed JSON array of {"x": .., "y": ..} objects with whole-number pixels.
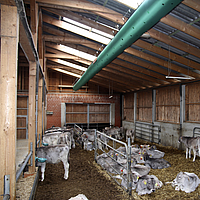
[
  {"x": 144, "y": 106},
  {"x": 99, "y": 113},
  {"x": 78, "y": 113},
  {"x": 21, "y": 121},
  {"x": 168, "y": 104},
  {"x": 55, "y": 79},
  {"x": 129, "y": 107},
  {"x": 192, "y": 102}
]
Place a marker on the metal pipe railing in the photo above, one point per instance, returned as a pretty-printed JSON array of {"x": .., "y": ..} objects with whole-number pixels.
[
  {"x": 126, "y": 156},
  {"x": 34, "y": 186},
  {"x": 148, "y": 131},
  {"x": 24, "y": 164},
  {"x": 194, "y": 129}
]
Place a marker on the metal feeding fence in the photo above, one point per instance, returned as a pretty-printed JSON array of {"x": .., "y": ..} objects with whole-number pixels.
[
  {"x": 112, "y": 146},
  {"x": 196, "y": 132},
  {"x": 147, "y": 131}
]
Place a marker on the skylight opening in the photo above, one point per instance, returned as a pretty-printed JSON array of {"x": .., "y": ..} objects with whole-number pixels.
[
  {"x": 78, "y": 53},
  {"x": 71, "y": 65},
  {"x": 87, "y": 31},
  {"x": 131, "y": 4},
  {"x": 66, "y": 72}
]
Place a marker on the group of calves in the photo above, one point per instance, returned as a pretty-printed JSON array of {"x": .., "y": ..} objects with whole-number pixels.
[
  {"x": 116, "y": 164},
  {"x": 57, "y": 143}
]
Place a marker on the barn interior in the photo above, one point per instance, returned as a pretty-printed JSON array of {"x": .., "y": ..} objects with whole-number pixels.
[{"x": 96, "y": 64}]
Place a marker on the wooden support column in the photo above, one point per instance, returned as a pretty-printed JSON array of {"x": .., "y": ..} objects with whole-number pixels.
[
  {"x": 40, "y": 86},
  {"x": 8, "y": 98},
  {"x": 32, "y": 86},
  {"x": 31, "y": 108}
]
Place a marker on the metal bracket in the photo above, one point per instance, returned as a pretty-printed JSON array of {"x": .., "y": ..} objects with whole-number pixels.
[{"x": 6, "y": 194}]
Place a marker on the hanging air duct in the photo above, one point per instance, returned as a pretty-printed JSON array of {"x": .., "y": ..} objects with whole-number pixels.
[{"x": 145, "y": 17}]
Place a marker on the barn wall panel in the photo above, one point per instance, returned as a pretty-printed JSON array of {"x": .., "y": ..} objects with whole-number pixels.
[
  {"x": 168, "y": 104},
  {"x": 144, "y": 106},
  {"x": 129, "y": 107},
  {"x": 54, "y": 101},
  {"x": 192, "y": 102}
]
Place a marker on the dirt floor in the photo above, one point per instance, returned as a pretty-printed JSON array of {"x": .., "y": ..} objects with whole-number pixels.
[{"x": 86, "y": 177}]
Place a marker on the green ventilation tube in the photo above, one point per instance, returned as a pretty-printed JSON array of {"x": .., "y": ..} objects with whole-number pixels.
[{"x": 145, "y": 17}]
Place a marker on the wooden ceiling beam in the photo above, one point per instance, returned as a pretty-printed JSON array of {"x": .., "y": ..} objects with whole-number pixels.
[
  {"x": 161, "y": 62},
  {"x": 79, "y": 4},
  {"x": 160, "y": 51},
  {"x": 94, "y": 8},
  {"x": 97, "y": 79},
  {"x": 8, "y": 2},
  {"x": 174, "y": 42},
  {"x": 112, "y": 66},
  {"x": 113, "y": 75},
  {"x": 181, "y": 25},
  {"x": 24, "y": 43},
  {"x": 130, "y": 66},
  {"x": 83, "y": 20},
  {"x": 192, "y": 4},
  {"x": 141, "y": 55}
]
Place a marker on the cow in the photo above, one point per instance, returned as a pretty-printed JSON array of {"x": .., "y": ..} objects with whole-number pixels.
[
  {"x": 130, "y": 133},
  {"x": 186, "y": 182},
  {"x": 53, "y": 154},
  {"x": 148, "y": 184},
  {"x": 190, "y": 143}
]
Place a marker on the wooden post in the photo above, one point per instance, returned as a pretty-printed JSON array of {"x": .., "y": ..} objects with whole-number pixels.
[
  {"x": 40, "y": 85},
  {"x": 32, "y": 86},
  {"x": 8, "y": 98},
  {"x": 31, "y": 108}
]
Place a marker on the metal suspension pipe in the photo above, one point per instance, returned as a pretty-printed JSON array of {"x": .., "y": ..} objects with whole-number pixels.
[{"x": 145, "y": 17}]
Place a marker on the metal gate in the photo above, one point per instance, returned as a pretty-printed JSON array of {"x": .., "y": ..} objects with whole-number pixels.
[
  {"x": 148, "y": 132},
  {"x": 112, "y": 146},
  {"x": 196, "y": 132}
]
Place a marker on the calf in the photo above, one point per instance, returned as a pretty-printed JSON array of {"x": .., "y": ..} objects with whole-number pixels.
[
  {"x": 156, "y": 163},
  {"x": 53, "y": 154},
  {"x": 185, "y": 181},
  {"x": 102, "y": 141},
  {"x": 79, "y": 197},
  {"x": 155, "y": 153},
  {"x": 130, "y": 133},
  {"x": 87, "y": 137},
  {"x": 51, "y": 139},
  {"x": 190, "y": 143},
  {"x": 141, "y": 169},
  {"x": 147, "y": 184},
  {"x": 57, "y": 138},
  {"x": 134, "y": 176}
]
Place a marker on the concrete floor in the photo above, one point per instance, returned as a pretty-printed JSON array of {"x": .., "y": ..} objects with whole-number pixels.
[{"x": 22, "y": 152}]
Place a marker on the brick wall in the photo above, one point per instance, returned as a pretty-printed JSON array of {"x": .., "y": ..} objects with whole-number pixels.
[{"x": 54, "y": 101}]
